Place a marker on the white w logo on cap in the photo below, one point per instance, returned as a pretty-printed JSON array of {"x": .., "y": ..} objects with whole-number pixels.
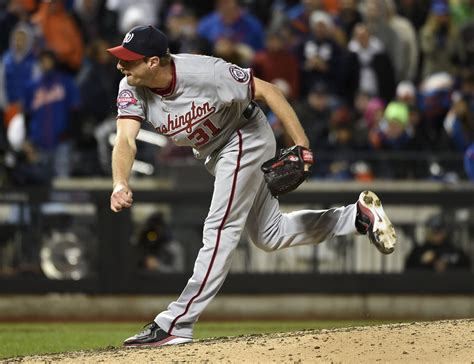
[{"x": 128, "y": 37}]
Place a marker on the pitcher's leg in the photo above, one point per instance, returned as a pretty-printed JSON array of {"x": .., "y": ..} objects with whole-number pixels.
[
  {"x": 234, "y": 193},
  {"x": 271, "y": 230},
  {"x": 210, "y": 271}
]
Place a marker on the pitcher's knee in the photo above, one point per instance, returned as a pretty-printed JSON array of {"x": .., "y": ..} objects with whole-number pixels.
[{"x": 267, "y": 245}]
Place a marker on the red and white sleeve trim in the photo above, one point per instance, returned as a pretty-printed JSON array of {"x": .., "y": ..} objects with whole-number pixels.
[{"x": 134, "y": 117}]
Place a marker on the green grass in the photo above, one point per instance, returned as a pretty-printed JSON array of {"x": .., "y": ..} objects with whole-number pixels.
[{"x": 18, "y": 339}]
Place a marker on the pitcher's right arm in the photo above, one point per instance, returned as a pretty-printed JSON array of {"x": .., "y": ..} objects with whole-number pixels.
[{"x": 123, "y": 156}]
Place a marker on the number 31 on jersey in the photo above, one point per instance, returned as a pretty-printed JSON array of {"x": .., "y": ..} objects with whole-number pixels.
[{"x": 203, "y": 133}]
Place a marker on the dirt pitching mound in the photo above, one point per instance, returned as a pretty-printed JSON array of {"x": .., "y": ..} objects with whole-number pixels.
[{"x": 427, "y": 342}]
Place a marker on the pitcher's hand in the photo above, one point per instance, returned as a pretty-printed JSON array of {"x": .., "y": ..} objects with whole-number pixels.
[{"x": 121, "y": 198}]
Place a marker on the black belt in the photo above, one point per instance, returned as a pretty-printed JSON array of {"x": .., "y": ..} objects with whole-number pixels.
[{"x": 248, "y": 112}]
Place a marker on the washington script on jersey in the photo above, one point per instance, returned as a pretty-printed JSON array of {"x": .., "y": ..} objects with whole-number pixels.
[{"x": 179, "y": 122}]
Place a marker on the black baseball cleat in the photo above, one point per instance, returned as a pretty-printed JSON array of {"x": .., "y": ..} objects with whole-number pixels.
[
  {"x": 372, "y": 220},
  {"x": 153, "y": 335}
]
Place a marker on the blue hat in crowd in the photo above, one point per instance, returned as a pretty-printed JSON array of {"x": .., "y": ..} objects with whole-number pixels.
[{"x": 439, "y": 7}]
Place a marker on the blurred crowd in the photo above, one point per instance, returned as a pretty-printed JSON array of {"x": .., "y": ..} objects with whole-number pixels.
[{"x": 384, "y": 88}]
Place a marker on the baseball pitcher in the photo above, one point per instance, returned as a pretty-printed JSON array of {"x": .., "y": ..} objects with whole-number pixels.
[{"x": 208, "y": 104}]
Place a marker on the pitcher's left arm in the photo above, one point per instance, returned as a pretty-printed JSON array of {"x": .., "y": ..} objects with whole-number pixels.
[{"x": 275, "y": 99}]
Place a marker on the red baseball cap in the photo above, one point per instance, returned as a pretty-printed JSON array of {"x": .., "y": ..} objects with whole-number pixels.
[{"x": 140, "y": 42}]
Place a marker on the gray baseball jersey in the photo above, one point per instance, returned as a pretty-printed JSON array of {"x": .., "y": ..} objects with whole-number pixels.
[{"x": 203, "y": 108}]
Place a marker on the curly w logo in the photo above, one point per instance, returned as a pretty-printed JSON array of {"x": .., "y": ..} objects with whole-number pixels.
[{"x": 128, "y": 37}]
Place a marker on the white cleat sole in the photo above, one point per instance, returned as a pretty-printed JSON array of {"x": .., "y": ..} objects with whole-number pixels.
[
  {"x": 172, "y": 340},
  {"x": 178, "y": 340},
  {"x": 382, "y": 234}
]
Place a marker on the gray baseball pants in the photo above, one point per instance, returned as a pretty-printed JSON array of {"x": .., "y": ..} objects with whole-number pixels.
[{"x": 241, "y": 200}]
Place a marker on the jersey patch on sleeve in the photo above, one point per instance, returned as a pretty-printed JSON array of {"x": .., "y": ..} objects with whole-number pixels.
[
  {"x": 239, "y": 74},
  {"x": 125, "y": 99}
]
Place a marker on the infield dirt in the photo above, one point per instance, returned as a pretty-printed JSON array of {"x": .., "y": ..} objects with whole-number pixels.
[{"x": 450, "y": 341}]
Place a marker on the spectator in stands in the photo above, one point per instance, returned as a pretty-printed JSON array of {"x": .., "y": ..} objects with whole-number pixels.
[
  {"x": 233, "y": 23},
  {"x": 314, "y": 113},
  {"x": 435, "y": 101},
  {"x": 97, "y": 80},
  {"x": 438, "y": 253},
  {"x": 459, "y": 122},
  {"x": 415, "y": 11},
  {"x": 391, "y": 135},
  {"x": 359, "y": 70},
  {"x": 376, "y": 18},
  {"x": 416, "y": 130},
  {"x": 48, "y": 104},
  {"x": 16, "y": 11},
  {"x": 333, "y": 7},
  {"x": 407, "y": 94},
  {"x": 236, "y": 53},
  {"x": 181, "y": 25},
  {"x": 369, "y": 113},
  {"x": 406, "y": 66},
  {"x": 95, "y": 20},
  {"x": 277, "y": 63},
  {"x": 462, "y": 11},
  {"x": 296, "y": 14},
  {"x": 19, "y": 68},
  {"x": 279, "y": 12},
  {"x": 61, "y": 34},
  {"x": 440, "y": 41},
  {"x": 134, "y": 12},
  {"x": 348, "y": 80},
  {"x": 320, "y": 55},
  {"x": 260, "y": 8},
  {"x": 339, "y": 147},
  {"x": 376, "y": 75},
  {"x": 348, "y": 17}
]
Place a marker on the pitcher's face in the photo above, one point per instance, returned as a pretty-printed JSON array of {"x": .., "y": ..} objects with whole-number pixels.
[{"x": 137, "y": 72}]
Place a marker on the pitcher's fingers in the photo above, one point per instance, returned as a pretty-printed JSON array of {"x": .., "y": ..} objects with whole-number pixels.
[
  {"x": 123, "y": 201},
  {"x": 115, "y": 207},
  {"x": 122, "y": 196}
]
